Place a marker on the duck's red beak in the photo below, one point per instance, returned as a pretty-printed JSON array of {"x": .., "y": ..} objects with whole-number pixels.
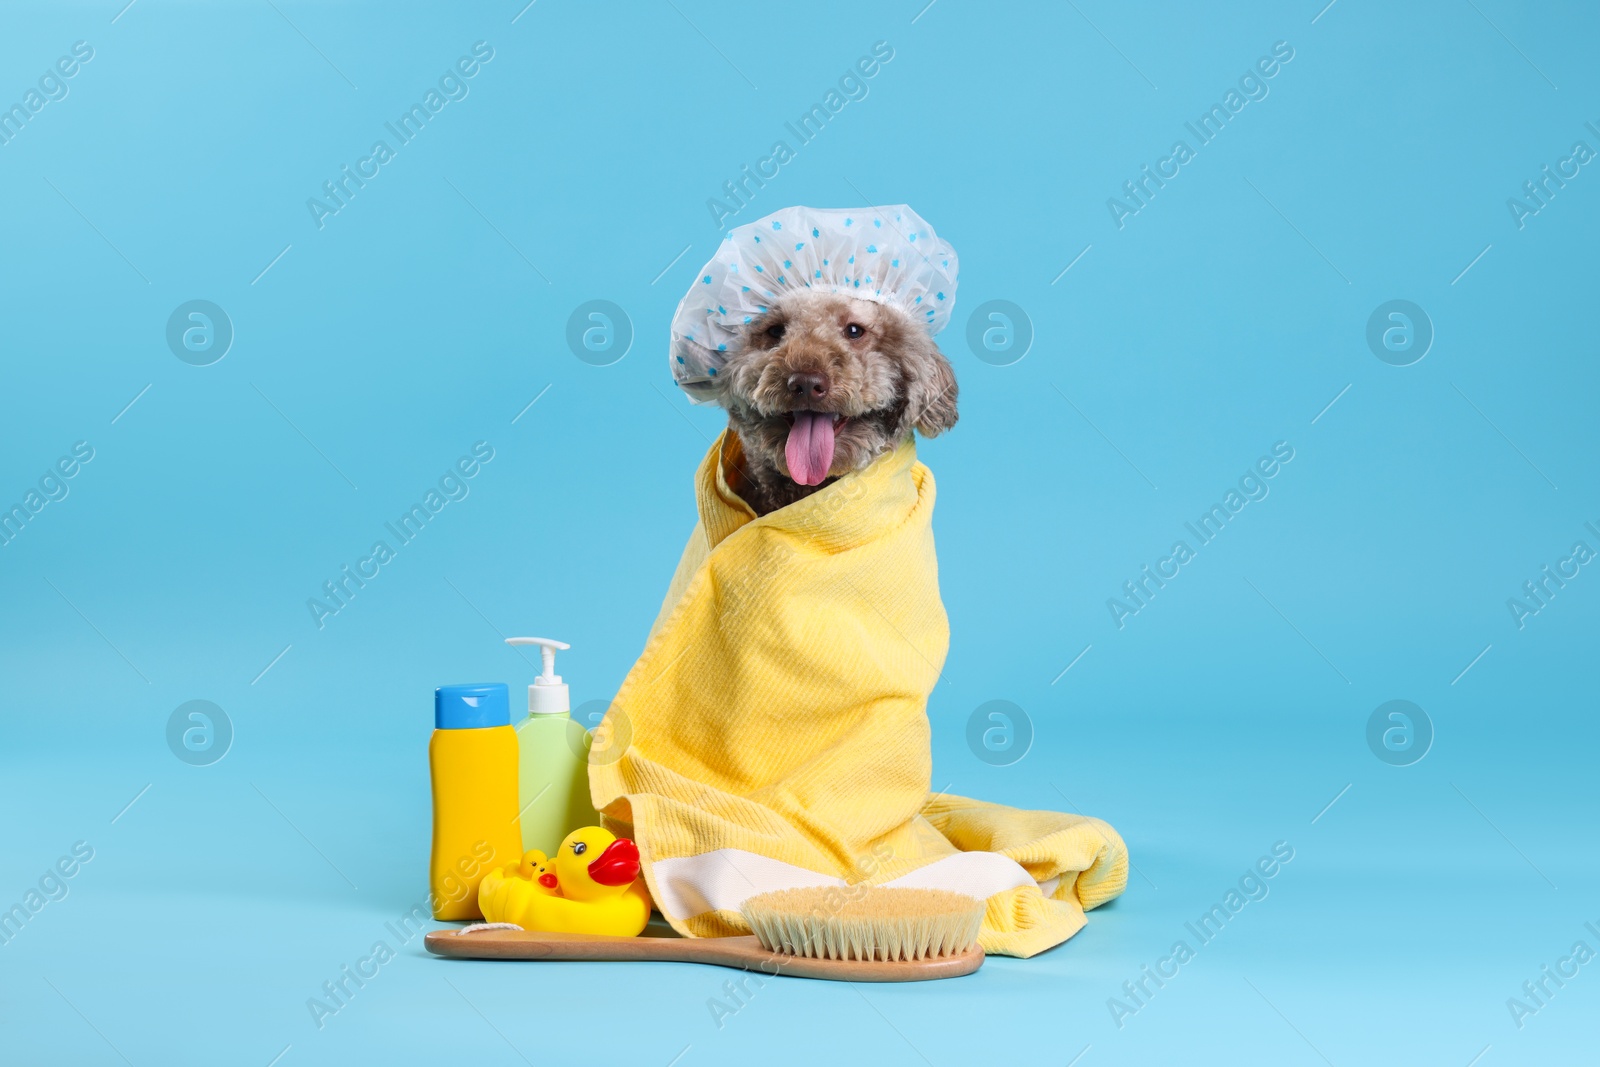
[{"x": 617, "y": 865}]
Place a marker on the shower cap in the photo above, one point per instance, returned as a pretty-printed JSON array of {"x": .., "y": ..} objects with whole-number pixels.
[{"x": 886, "y": 254}]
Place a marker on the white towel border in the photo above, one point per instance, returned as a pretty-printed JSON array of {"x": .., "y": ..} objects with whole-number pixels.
[{"x": 722, "y": 879}]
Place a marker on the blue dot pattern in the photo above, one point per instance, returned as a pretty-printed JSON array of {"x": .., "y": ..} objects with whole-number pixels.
[{"x": 708, "y": 327}]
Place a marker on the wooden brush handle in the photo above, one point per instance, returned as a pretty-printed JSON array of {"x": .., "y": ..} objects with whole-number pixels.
[{"x": 741, "y": 953}]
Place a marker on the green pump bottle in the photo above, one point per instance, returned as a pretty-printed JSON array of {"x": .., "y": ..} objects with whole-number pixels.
[{"x": 552, "y": 759}]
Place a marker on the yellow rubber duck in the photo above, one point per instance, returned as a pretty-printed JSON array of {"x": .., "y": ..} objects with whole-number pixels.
[
  {"x": 594, "y": 888},
  {"x": 539, "y": 869}
]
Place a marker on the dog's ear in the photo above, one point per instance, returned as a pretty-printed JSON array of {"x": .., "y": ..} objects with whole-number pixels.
[{"x": 930, "y": 389}]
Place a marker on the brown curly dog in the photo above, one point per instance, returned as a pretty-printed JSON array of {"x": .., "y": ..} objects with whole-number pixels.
[{"x": 823, "y": 385}]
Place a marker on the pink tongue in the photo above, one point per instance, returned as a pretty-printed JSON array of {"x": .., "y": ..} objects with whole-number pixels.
[{"x": 809, "y": 450}]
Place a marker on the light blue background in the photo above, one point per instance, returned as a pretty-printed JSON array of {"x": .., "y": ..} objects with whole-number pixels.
[{"x": 426, "y": 315}]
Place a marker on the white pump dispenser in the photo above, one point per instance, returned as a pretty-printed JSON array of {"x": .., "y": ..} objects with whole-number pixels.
[
  {"x": 547, "y": 695},
  {"x": 552, "y": 759}
]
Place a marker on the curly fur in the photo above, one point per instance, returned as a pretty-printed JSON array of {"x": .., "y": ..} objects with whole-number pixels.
[{"x": 884, "y": 384}]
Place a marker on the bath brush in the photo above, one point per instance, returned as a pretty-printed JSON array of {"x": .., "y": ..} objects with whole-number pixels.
[{"x": 857, "y": 934}]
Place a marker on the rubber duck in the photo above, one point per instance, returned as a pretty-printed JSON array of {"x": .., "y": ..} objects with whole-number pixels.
[
  {"x": 539, "y": 869},
  {"x": 591, "y": 886}
]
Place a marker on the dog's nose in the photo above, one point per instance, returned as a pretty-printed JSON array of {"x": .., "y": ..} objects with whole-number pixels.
[{"x": 809, "y": 385}]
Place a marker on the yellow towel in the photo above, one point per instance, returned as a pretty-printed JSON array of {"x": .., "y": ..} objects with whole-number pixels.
[{"x": 774, "y": 731}]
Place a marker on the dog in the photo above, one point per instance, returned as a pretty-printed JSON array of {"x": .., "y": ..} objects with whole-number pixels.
[{"x": 824, "y": 384}]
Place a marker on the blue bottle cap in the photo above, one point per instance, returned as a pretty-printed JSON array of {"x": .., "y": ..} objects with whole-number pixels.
[{"x": 471, "y": 707}]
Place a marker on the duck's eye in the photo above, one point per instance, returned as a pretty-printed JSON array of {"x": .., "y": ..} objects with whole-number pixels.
[
  {"x": 775, "y": 331},
  {"x": 579, "y": 848},
  {"x": 855, "y": 331}
]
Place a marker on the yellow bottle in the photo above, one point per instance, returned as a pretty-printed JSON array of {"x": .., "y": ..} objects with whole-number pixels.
[{"x": 472, "y": 759}]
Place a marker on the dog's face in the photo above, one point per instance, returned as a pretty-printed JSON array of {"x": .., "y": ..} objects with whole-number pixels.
[{"x": 825, "y": 383}]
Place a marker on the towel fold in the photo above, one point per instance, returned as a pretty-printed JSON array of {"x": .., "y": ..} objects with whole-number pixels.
[{"x": 774, "y": 731}]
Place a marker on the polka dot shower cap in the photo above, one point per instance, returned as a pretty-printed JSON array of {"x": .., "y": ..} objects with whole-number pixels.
[{"x": 888, "y": 254}]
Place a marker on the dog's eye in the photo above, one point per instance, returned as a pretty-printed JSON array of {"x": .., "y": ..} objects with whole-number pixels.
[
  {"x": 775, "y": 331},
  {"x": 855, "y": 331}
]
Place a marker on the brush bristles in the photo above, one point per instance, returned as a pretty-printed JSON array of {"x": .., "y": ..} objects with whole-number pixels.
[{"x": 865, "y": 922}]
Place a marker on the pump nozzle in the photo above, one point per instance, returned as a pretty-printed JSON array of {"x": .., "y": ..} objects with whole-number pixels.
[{"x": 547, "y": 695}]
